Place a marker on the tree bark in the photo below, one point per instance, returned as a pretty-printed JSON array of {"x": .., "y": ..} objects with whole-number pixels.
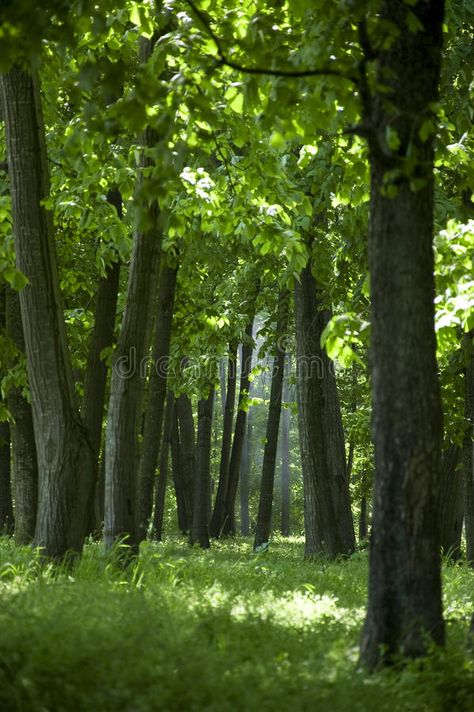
[
  {"x": 363, "y": 531},
  {"x": 187, "y": 454},
  {"x": 95, "y": 379},
  {"x": 127, "y": 382},
  {"x": 468, "y": 447},
  {"x": 404, "y": 608},
  {"x": 156, "y": 397},
  {"x": 7, "y": 522},
  {"x": 228, "y": 524},
  {"x": 217, "y": 520},
  {"x": 200, "y": 530},
  {"x": 264, "y": 517},
  {"x": 328, "y": 518},
  {"x": 451, "y": 502},
  {"x": 25, "y": 468},
  {"x": 160, "y": 487},
  {"x": 244, "y": 478},
  {"x": 285, "y": 456},
  {"x": 63, "y": 452},
  {"x": 183, "y": 522}
]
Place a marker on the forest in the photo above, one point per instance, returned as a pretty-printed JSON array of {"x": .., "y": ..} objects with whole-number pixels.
[{"x": 236, "y": 355}]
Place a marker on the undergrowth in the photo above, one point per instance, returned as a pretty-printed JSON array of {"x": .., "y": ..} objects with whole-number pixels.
[{"x": 220, "y": 630}]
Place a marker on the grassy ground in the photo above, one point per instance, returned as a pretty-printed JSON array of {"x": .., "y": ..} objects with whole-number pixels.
[{"x": 222, "y": 630}]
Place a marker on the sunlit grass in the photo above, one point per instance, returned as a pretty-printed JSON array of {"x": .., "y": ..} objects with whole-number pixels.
[{"x": 224, "y": 629}]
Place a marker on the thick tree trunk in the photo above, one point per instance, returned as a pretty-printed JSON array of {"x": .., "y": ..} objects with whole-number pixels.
[
  {"x": 127, "y": 382},
  {"x": 451, "y": 502},
  {"x": 64, "y": 456},
  {"x": 25, "y": 468},
  {"x": 228, "y": 525},
  {"x": 468, "y": 448},
  {"x": 187, "y": 454},
  {"x": 244, "y": 478},
  {"x": 7, "y": 523},
  {"x": 217, "y": 520},
  {"x": 95, "y": 379},
  {"x": 200, "y": 530},
  {"x": 264, "y": 517},
  {"x": 285, "y": 456},
  {"x": 156, "y": 397},
  {"x": 160, "y": 487},
  {"x": 328, "y": 519},
  {"x": 404, "y": 608}
]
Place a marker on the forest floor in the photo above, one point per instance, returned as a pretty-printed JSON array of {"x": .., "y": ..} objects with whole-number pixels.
[{"x": 216, "y": 631}]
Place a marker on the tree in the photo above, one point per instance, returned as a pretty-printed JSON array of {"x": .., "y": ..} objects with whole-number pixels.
[{"x": 199, "y": 533}]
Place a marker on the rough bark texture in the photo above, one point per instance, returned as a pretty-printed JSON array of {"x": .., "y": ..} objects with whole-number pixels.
[
  {"x": 217, "y": 520},
  {"x": 265, "y": 505},
  {"x": 404, "y": 608},
  {"x": 285, "y": 457},
  {"x": 127, "y": 382},
  {"x": 228, "y": 525},
  {"x": 25, "y": 468},
  {"x": 451, "y": 502},
  {"x": 468, "y": 449},
  {"x": 7, "y": 523},
  {"x": 156, "y": 397},
  {"x": 64, "y": 455},
  {"x": 95, "y": 379},
  {"x": 187, "y": 454},
  {"x": 160, "y": 487},
  {"x": 202, "y": 484},
  {"x": 329, "y": 527}
]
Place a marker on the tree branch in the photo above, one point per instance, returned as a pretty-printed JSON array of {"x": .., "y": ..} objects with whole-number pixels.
[{"x": 224, "y": 60}]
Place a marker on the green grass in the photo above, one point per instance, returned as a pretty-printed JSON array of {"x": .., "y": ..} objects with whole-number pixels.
[{"x": 219, "y": 630}]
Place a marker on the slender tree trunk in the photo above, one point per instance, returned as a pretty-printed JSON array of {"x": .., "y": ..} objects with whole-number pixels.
[
  {"x": 264, "y": 517},
  {"x": 127, "y": 383},
  {"x": 217, "y": 520},
  {"x": 95, "y": 379},
  {"x": 202, "y": 483},
  {"x": 328, "y": 519},
  {"x": 7, "y": 523},
  {"x": 404, "y": 608},
  {"x": 187, "y": 453},
  {"x": 468, "y": 447},
  {"x": 285, "y": 456},
  {"x": 363, "y": 518},
  {"x": 228, "y": 525},
  {"x": 64, "y": 456},
  {"x": 222, "y": 382},
  {"x": 451, "y": 502},
  {"x": 156, "y": 397},
  {"x": 25, "y": 468},
  {"x": 183, "y": 523},
  {"x": 244, "y": 479},
  {"x": 160, "y": 487}
]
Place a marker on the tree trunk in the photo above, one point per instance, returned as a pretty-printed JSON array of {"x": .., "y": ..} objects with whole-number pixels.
[
  {"x": 187, "y": 454},
  {"x": 7, "y": 523},
  {"x": 285, "y": 456},
  {"x": 468, "y": 447},
  {"x": 156, "y": 397},
  {"x": 95, "y": 379},
  {"x": 363, "y": 518},
  {"x": 183, "y": 523},
  {"x": 202, "y": 483},
  {"x": 404, "y": 608},
  {"x": 127, "y": 383},
  {"x": 222, "y": 382},
  {"x": 328, "y": 519},
  {"x": 25, "y": 468},
  {"x": 244, "y": 479},
  {"x": 264, "y": 517},
  {"x": 160, "y": 487},
  {"x": 64, "y": 456},
  {"x": 217, "y": 520},
  {"x": 228, "y": 525},
  {"x": 451, "y": 502}
]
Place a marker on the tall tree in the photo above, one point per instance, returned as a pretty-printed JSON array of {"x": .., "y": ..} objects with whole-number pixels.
[
  {"x": 405, "y": 583},
  {"x": 451, "y": 502},
  {"x": 264, "y": 516},
  {"x": 160, "y": 487},
  {"x": 199, "y": 533},
  {"x": 285, "y": 455},
  {"x": 468, "y": 446},
  {"x": 65, "y": 460},
  {"x": 7, "y": 523},
  {"x": 187, "y": 454}
]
